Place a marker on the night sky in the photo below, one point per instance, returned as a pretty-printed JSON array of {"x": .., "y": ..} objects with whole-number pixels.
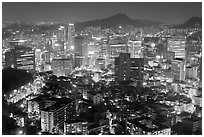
[{"x": 172, "y": 13}]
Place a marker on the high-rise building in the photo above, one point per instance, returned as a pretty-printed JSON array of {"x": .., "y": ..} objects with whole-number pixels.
[
  {"x": 178, "y": 67},
  {"x": 178, "y": 46},
  {"x": 78, "y": 51},
  {"x": 127, "y": 68},
  {"x": 135, "y": 48},
  {"x": 122, "y": 67},
  {"x": 53, "y": 118},
  {"x": 69, "y": 36},
  {"x": 137, "y": 68},
  {"x": 49, "y": 47},
  {"x": 116, "y": 49},
  {"x": 20, "y": 57},
  {"x": 58, "y": 50},
  {"x": 193, "y": 47},
  {"x": 61, "y": 67}
]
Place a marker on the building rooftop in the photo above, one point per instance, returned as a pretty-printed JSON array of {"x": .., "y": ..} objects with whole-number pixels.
[{"x": 60, "y": 103}]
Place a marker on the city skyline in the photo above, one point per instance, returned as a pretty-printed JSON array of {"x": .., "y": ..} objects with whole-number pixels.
[
  {"x": 164, "y": 12},
  {"x": 125, "y": 73}
]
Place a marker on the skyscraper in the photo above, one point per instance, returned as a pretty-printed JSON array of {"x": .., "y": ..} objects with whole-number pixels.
[
  {"x": 122, "y": 67},
  {"x": 20, "y": 57},
  {"x": 69, "y": 36},
  {"x": 78, "y": 51},
  {"x": 135, "y": 48},
  {"x": 137, "y": 68},
  {"x": 178, "y": 46},
  {"x": 127, "y": 68},
  {"x": 61, "y": 67}
]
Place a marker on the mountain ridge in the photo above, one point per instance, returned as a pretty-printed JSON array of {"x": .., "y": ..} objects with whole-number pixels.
[
  {"x": 114, "y": 21},
  {"x": 192, "y": 22}
]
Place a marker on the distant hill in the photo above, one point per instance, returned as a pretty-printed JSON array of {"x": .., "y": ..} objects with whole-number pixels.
[
  {"x": 191, "y": 23},
  {"x": 114, "y": 21},
  {"x": 14, "y": 78}
]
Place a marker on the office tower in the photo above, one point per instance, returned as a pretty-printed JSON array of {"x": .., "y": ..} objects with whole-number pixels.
[
  {"x": 193, "y": 47},
  {"x": 78, "y": 51},
  {"x": 127, "y": 68},
  {"x": 85, "y": 59},
  {"x": 61, "y": 33},
  {"x": 178, "y": 45},
  {"x": 137, "y": 68},
  {"x": 135, "y": 48},
  {"x": 49, "y": 46},
  {"x": 178, "y": 67},
  {"x": 58, "y": 50},
  {"x": 122, "y": 67},
  {"x": 61, "y": 67},
  {"x": 69, "y": 36},
  {"x": 38, "y": 55},
  {"x": 20, "y": 57},
  {"x": 116, "y": 49}
]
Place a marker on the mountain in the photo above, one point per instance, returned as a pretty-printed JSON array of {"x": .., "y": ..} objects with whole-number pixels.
[
  {"x": 192, "y": 22},
  {"x": 114, "y": 21}
]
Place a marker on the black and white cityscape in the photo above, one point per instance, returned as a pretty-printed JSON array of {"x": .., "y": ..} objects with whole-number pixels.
[{"x": 102, "y": 68}]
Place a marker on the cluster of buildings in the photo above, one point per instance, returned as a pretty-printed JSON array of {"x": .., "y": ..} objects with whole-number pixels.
[{"x": 114, "y": 81}]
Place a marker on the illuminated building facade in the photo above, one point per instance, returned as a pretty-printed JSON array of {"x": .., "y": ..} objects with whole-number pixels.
[
  {"x": 20, "y": 57},
  {"x": 52, "y": 118},
  {"x": 178, "y": 67},
  {"x": 116, "y": 49},
  {"x": 137, "y": 68},
  {"x": 178, "y": 45},
  {"x": 69, "y": 36},
  {"x": 61, "y": 67},
  {"x": 78, "y": 128},
  {"x": 78, "y": 51},
  {"x": 58, "y": 50},
  {"x": 135, "y": 48}
]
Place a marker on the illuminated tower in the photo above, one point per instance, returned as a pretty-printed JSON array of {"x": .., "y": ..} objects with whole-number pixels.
[
  {"x": 78, "y": 51},
  {"x": 177, "y": 45},
  {"x": 69, "y": 36}
]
